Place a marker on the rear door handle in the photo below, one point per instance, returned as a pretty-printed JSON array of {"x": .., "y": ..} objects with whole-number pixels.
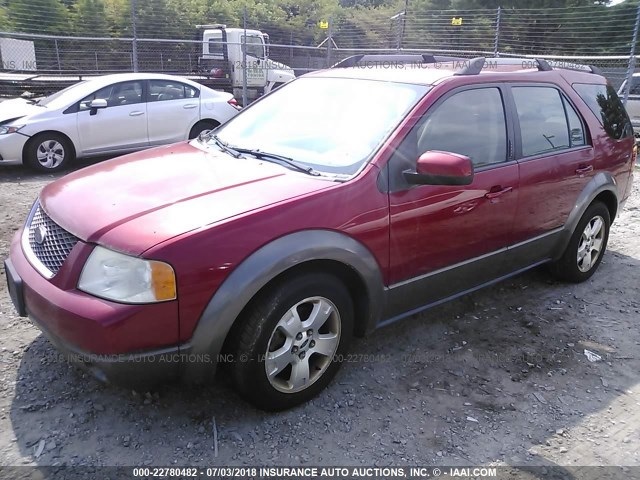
[
  {"x": 190, "y": 105},
  {"x": 495, "y": 192},
  {"x": 584, "y": 169},
  {"x": 136, "y": 113}
]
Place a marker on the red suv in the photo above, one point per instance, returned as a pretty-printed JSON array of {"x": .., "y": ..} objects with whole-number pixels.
[{"x": 344, "y": 201}]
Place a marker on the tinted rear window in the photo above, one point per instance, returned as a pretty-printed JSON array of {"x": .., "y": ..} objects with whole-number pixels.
[{"x": 605, "y": 104}]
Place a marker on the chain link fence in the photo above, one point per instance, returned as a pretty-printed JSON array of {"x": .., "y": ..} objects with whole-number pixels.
[{"x": 582, "y": 35}]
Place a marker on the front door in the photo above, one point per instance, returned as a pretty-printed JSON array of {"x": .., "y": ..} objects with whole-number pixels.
[
  {"x": 449, "y": 239},
  {"x": 256, "y": 70},
  {"x": 120, "y": 126}
]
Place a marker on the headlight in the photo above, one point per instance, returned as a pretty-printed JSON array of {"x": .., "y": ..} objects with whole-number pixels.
[
  {"x": 5, "y": 129},
  {"x": 123, "y": 278}
]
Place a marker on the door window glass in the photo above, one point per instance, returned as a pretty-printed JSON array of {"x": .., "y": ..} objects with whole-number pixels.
[
  {"x": 576, "y": 130},
  {"x": 543, "y": 123},
  {"x": 125, "y": 93},
  {"x": 163, "y": 90},
  {"x": 254, "y": 46},
  {"x": 470, "y": 123}
]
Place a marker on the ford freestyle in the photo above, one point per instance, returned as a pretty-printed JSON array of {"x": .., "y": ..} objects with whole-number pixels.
[{"x": 343, "y": 201}]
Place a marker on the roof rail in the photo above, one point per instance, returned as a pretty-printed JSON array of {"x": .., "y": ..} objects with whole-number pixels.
[
  {"x": 382, "y": 59},
  {"x": 469, "y": 66},
  {"x": 475, "y": 66}
]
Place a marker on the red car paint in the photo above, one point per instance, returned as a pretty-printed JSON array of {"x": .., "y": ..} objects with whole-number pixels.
[{"x": 204, "y": 212}]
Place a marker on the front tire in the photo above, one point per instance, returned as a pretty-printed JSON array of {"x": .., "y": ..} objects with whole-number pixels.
[
  {"x": 291, "y": 340},
  {"x": 48, "y": 152},
  {"x": 200, "y": 127},
  {"x": 586, "y": 247}
]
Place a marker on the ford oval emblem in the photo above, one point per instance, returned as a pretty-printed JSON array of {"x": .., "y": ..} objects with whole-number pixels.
[{"x": 40, "y": 234}]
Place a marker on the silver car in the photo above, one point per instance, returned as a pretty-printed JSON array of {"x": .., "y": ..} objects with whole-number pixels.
[
  {"x": 111, "y": 114},
  {"x": 633, "y": 103}
]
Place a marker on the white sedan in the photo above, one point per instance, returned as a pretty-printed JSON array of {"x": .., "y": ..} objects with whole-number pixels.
[{"x": 112, "y": 114}]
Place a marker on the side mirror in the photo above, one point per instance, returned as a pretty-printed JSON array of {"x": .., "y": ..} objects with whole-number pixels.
[
  {"x": 97, "y": 104},
  {"x": 441, "y": 168}
]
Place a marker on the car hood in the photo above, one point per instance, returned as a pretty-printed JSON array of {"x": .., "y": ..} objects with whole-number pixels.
[
  {"x": 17, "y": 108},
  {"x": 135, "y": 202}
]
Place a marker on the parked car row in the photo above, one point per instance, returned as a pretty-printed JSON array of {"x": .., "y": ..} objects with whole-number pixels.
[
  {"x": 341, "y": 202},
  {"x": 108, "y": 115}
]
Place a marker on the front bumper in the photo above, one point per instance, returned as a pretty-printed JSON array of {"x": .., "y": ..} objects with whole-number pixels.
[
  {"x": 131, "y": 345},
  {"x": 11, "y": 147}
]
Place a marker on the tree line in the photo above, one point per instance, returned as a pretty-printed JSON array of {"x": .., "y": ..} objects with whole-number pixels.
[{"x": 358, "y": 23}]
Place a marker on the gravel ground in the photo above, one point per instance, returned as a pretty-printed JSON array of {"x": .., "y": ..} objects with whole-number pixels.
[{"x": 498, "y": 377}]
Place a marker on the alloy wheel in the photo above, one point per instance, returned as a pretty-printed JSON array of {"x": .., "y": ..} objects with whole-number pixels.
[
  {"x": 303, "y": 344},
  {"x": 590, "y": 244}
]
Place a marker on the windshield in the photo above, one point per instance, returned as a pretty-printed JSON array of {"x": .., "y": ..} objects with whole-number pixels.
[
  {"x": 52, "y": 98},
  {"x": 333, "y": 125}
]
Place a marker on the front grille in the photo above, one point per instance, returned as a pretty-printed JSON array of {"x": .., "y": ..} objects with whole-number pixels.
[{"x": 50, "y": 243}]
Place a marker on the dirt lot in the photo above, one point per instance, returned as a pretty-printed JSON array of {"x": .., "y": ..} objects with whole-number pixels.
[{"x": 498, "y": 377}]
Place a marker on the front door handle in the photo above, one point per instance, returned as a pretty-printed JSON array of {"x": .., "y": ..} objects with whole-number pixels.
[
  {"x": 584, "y": 169},
  {"x": 190, "y": 105},
  {"x": 495, "y": 192},
  {"x": 136, "y": 113}
]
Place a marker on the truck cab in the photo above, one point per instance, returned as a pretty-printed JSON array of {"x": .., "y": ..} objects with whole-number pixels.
[{"x": 223, "y": 58}]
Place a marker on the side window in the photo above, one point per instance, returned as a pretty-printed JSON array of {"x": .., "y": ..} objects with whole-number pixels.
[
  {"x": 576, "y": 130},
  {"x": 163, "y": 90},
  {"x": 603, "y": 101},
  {"x": 543, "y": 124},
  {"x": 254, "y": 46},
  {"x": 470, "y": 123},
  {"x": 125, "y": 93},
  {"x": 103, "y": 94},
  {"x": 216, "y": 47}
]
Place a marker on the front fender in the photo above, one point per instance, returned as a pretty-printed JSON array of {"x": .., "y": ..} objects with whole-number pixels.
[{"x": 258, "y": 270}]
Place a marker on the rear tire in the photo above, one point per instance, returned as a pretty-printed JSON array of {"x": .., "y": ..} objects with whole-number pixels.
[
  {"x": 48, "y": 152},
  {"x": 201, "y": 126},
  {"x": 291, "y": 341},
  {"x": 586, "y": 248}
]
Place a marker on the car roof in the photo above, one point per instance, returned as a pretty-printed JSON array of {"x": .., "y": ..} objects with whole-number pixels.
[
  {"x": 104, "y": 80},
  {"x": 89, "y": 85}
]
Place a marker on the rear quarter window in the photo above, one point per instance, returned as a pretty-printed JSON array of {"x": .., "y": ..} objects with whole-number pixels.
[{"x": 604, "y": 102}]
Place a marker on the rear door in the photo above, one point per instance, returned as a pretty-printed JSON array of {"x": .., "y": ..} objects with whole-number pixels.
[
  {"x": 120, "y": 126},
  {"x": 173, "y": 108},
  {"x": 556, "y": 163}
]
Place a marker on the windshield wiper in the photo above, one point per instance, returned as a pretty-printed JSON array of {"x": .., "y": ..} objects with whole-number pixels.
[
  {"x": 207, "y": 135},
  {"x": 275, "y": 158}
]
